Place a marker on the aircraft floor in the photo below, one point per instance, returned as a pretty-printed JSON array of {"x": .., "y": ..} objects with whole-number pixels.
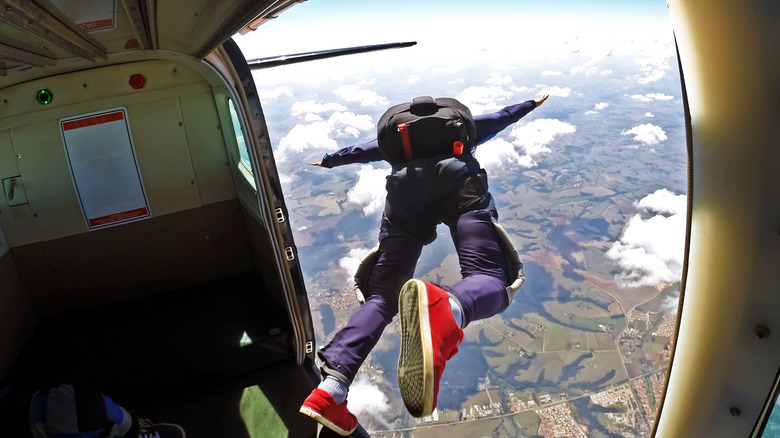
[{"x": 176, "y": 357}]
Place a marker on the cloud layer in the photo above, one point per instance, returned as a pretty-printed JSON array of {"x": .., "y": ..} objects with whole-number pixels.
[
  {"x": 320, "y": 134},
  {"x": 369, "y": 403},
  {"x": 369, "y": 190},
  {"x": 650, "y": 252},
  {"x": 351, "y": 261}
]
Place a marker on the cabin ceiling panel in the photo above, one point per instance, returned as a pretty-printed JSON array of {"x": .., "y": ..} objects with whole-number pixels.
[
  {"x": 63, "y": 37},
  {"x": 45, "y": 21}
]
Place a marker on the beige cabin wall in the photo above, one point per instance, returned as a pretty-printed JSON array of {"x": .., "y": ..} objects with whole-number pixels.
[{"x": 196, "y": 232}]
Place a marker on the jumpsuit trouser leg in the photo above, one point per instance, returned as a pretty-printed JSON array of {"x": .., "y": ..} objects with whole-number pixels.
[
  {"x": 350, "y": 346},
  {"x": 481, "y": 292},
  {"x": 483, "y": 265}
]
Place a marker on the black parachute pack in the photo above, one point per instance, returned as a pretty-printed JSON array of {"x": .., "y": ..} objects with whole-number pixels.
[{"x": 425, "y": 127}]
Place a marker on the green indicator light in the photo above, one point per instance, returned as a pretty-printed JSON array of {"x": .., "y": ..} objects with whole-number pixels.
[{"x": 44, "y": 97}]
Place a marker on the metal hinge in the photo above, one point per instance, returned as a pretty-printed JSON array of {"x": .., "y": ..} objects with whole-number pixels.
[
  {"x": 290, "y": 254},
  {"x": 279, "y": 215},
  {"x": 309, "y": 347}
]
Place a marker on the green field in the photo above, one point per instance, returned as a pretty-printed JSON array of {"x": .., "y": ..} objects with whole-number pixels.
[
  {"x": 518, "y": 425},
  {"x": 592, "y": 324},
  {"x": 568, "y": 199}
]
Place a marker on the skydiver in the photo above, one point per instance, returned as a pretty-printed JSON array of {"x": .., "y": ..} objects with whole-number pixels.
[
  {"x": 432, "y": 316},
  {"x": 488, "y": 125}
]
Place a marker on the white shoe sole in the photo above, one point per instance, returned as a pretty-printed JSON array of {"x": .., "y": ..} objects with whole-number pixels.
[
  {"x": 415, "y": 361},
  {"x": 324, "y": 422}
]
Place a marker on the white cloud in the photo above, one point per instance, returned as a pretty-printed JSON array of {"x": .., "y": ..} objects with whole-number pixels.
[
  {"x": 651, "y": 97},
  {"x": 651, "y": 77},
  {"x": 354, "y": 93},
  {"x": 598, "y": 107},
  {"x": 670, "y": 304},
  {"x": 641, "y": 98},
  {"x": 499, "y": 153},
  {"x": 312, "y": 117},
  {"x": 534, "y": 137},
  {"x": 369, "y": 190},
  {"x": 367, "y": 401},
  {"x": 351, "y": 261},
  {"x": 310, "y": 106},
  {"x": 653, "y": 67},
  {"x": 322, "y": 135},
  {"x": 653, "y": 62},
  {"x": 496, "y": 79},
  {"x": 552, "y": 73},
  {"x": 597, "y": 53},
  {"x": 349, "y": 125},
  {"x": 555, "y": 90},
  {"x": 481, "y": 99},
  {"x": 660, "y": 96},
  {"x": 650, "y": 252},
  {"x": 663, "y": 201},
  {"x": 649, "y": 114},
  {"x": 305, "y": 137},
  {"x": 273, "y": 94},
  {"x": 583, "y": 69},
  {"x": 647, "y": 133},
  {"x": 413, "y": 79}
]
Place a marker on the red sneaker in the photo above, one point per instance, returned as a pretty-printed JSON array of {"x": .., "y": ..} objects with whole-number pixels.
[
  {"x": 429, "y": 338},
  {"x": 321, "y": 406}
]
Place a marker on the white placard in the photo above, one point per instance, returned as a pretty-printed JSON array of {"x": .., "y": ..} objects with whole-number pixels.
[
  {"x": 3, "y": 243},
  {"x": 89, "y": 15},
  {"x": 104, "y": 168}
]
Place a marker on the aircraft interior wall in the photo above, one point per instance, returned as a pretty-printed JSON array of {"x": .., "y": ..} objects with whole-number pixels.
[
  {"x": 194, "y": 231},
  {"x": 17, "y": 317}
]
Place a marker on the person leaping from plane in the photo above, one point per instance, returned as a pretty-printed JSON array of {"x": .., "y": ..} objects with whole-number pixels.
[
  {"x": 434, "y": 179},
  {"x": 487, "y": 126}
]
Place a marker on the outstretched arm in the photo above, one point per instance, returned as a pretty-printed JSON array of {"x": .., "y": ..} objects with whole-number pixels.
[
  {"x": 362, "y": 153},
  {"x": 488, "y": 125}
]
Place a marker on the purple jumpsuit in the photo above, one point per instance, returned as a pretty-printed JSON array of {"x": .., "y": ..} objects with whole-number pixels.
[{"x": 421, "y": 194}]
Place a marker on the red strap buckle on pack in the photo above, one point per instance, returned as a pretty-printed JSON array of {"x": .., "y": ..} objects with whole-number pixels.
[
  {"x": 457, "y": 148},
  {"x": 404, "y": 131}
]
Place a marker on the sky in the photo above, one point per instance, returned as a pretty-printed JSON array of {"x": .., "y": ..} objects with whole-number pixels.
[
  {"x": 454, "y": 26},
  {"x": 650, "y": 250}
]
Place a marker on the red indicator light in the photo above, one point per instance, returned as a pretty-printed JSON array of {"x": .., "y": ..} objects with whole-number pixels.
[{"x": 137, "y": 81}]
